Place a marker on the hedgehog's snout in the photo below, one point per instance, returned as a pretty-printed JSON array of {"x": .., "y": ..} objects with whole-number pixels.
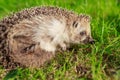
[{"x": 89, "y": 40}]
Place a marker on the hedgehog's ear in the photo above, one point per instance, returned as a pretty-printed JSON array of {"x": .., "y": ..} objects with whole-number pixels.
[
  {"x": 75, "y": 24},
  {"x": 85, "y": 18}
]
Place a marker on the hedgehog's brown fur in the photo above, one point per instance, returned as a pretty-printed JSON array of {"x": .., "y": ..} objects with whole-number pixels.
[{"x": 7, "y": 23}]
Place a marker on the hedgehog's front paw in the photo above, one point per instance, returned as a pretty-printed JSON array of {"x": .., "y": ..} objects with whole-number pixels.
[{"x": 63, "y": 47}]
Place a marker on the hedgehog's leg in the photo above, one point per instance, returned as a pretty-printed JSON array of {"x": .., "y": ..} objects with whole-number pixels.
[
  {"x": 24, "y": 44},
  {"x": 32, "y": 56},
  {"x": 20, "y": 43},
  {"x": 63, "y": 46}
]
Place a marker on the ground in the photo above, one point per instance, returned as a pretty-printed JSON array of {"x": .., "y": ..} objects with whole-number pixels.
[{"x": 100, "y": 61}]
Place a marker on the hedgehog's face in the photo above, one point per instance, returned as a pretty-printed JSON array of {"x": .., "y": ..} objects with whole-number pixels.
[{"x": 81, "y": 32}]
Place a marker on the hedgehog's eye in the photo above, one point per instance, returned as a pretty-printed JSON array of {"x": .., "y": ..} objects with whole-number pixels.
[
  {"x": 75, "y": 24},
  {"x": 83, "y": 33}
]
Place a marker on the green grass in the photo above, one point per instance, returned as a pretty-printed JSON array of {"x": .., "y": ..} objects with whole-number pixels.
[{"x": 98, "y": 60}]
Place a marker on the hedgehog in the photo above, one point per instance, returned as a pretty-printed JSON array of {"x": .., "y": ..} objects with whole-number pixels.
[{"x": 33, "y": 36}]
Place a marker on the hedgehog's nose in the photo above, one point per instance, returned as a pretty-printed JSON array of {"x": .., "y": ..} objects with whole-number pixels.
[{"x": 91, "y": 41}]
